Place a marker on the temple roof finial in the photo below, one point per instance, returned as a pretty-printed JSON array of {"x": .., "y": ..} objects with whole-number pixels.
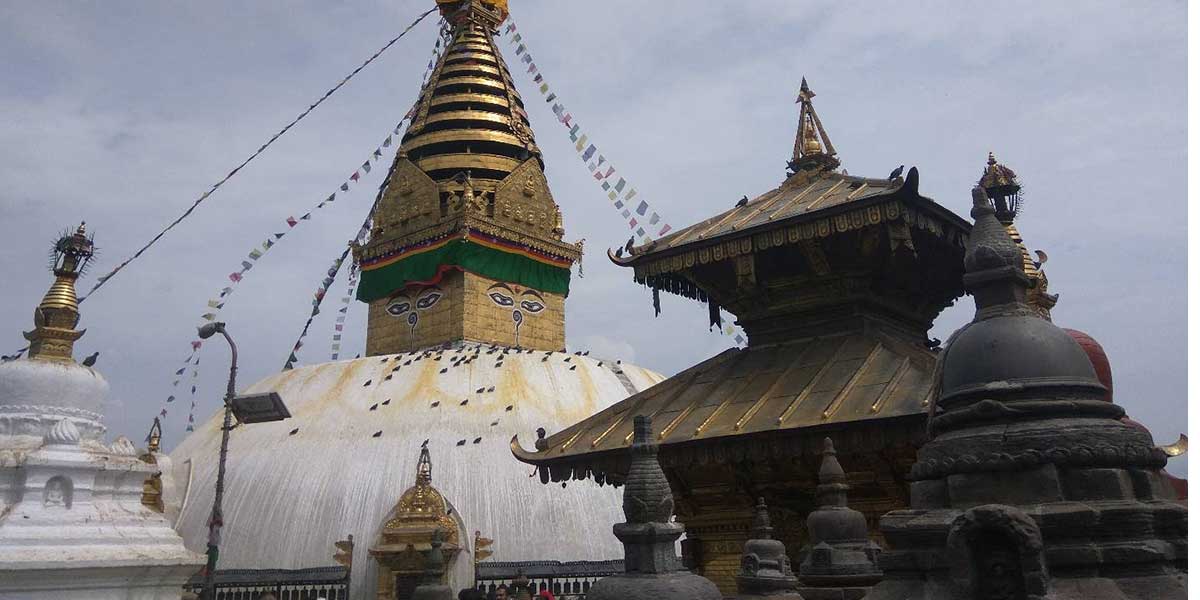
[
  {"x": 1002, "y": 187},
  {"x": 813, "y": 150},
  {"x": 424, "y": 467},
  {"x": 54, "y": 319}
]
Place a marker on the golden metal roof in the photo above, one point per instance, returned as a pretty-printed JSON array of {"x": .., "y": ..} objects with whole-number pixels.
[{"x": 806, "y": 383}]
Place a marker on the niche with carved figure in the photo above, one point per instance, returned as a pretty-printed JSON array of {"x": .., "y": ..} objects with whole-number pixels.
[{"x": 58, "y": 493}]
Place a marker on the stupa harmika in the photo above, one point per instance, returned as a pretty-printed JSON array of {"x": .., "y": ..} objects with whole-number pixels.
[{"x": 466, "y": 274}]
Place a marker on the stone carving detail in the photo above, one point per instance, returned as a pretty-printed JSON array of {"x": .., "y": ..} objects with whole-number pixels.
[
  {"x": 64, "y": 432},
  {"x": 647, "y": 497},
  {"x": 123, "y": 447},
  {"x": 1000, "y": 547},
  {"x": 59, "y": 492}
]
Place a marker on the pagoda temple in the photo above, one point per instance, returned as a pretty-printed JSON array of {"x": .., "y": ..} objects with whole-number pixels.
[
  {"x": 465, "y": 273},
  {"x": 836, "y": 279}
]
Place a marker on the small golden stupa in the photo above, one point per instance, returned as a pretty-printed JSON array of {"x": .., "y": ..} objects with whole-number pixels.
[{"x": 53, "y": 336}]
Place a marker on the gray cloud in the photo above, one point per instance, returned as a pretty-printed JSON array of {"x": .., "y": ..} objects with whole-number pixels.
[{"x": 122, "y": 113}]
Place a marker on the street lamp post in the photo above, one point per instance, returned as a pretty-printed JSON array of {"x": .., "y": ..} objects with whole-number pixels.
[{"x": 214, "y": 520}]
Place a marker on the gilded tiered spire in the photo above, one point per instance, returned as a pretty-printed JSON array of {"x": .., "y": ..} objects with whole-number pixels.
[
  {"x": 466, "y": 220},
  {"x": 53, "y": 336},
  {"x": 813, "y": 150},
  {"x": 1003, "y": 189},
  {"x": 470, "y": 121}
]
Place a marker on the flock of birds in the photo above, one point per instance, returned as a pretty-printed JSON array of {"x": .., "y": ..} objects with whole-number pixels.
[{"x": 463, "y": 355}]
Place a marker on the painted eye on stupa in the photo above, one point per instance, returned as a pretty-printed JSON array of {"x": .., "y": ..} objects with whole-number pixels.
[
  {"x": 428, "y": 300},
  {"x": 399, "y": 308},
  {"x": 532, "y": 306},
  {"x": 501, "y": 299}
]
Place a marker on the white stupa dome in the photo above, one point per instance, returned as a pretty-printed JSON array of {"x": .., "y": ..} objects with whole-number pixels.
[{"x": 289, "y": 496}]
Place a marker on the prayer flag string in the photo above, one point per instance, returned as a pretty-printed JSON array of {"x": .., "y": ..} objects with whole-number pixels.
[
  {"x": 637, "y": 213},
  {"x": 318, "y": 297},
  {"x": 340, "y": 322},
  {"x": 216, "y": 304},
  {"x": 100, "y": 281}
]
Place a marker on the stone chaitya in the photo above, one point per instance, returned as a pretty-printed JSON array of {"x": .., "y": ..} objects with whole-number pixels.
[
  {"x": 1031, "y": 486},
  {"x": 652, "y": 568},
  {"x": 840, "y": 560},
  {"x": 766, "y": 568},
  {"x": 73, "y": 525}
]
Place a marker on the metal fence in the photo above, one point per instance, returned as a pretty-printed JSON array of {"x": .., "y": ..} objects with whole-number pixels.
[
  {"x": 330, "y": 583},
  {"x": 566, "y": 580}
]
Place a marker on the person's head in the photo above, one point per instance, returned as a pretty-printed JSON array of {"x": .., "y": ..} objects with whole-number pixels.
[{"x": 502, "y": 592}]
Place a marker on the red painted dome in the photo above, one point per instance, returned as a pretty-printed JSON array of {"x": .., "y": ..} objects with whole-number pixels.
[{"x": 1095, "y": 353}]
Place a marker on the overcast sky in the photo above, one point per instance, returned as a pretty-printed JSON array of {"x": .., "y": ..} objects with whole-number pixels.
[{"x": 123, "y": 112}]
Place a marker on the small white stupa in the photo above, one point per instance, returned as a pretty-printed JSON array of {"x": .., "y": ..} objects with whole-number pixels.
[{"x": 72, "y": 520}]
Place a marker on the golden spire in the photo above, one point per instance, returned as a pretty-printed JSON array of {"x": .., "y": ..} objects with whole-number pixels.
[
  {"x": 470, "y": 118},
  {"x": 53, "y": 336},
  {"x": 1003, "y": 189},
  {"x": 813, "y": 150}
]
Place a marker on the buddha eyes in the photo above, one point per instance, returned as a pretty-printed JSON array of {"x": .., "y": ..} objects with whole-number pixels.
[
  {"x": 501, "y": 299},
  {"x": 429, "y": 300},
  {"x": 532, "y": 306},
  {"x": 397, "y": 309}
]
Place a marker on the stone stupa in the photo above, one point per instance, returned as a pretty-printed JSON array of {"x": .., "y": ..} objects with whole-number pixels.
[
  {"x": 652, "y": 568},
  {"x": 1031, "y": 486}
]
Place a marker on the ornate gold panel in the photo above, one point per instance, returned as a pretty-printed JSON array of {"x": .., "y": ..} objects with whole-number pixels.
[{"x": 524, "y": 203}]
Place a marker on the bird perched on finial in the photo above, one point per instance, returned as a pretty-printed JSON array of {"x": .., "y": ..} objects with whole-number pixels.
[
  {"x": 541, "y": 443},
  {"x": 744, "y": 201},
  {"x": 629, "y": 246},
  {"x": 91, "y": 359},
  {"x": 619, "y": 252},
  {"x": 896, "y": 173}
]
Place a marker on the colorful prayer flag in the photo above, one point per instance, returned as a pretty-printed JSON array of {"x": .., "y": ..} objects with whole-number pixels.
[
  {"x": 366, "y": 166},
  {"x": 620, "y": 184},
  {"x": 521, "y": 49},
  {"x": 551, "y": 97},
  {"x": 604, "y": 186},
  {"x": 255, "y": 254},
  {"x": 612, "y": 195},
  {"x": 664, "y": 230},
  {"x": 580, "y": 143},
  {"x": 641, "y": 208},
  {"x": 631, "y": 194},
  {"x": 538, "y": 79},
  {"x": 246, "y": 266},
  {"x": 641, "y": 232},
  {"x": 388, "y": 142},
  {"x": 196, "y": 345},
  {"x": 632, "y": 223},
  {"x": 170, "y": 398},
  {"x": 611, "y": 170},
  {"x": 291, "y": 221},
  {"x": 528, "y": 58},
  {"x": 345, "y": 187},
  {"x": 532, "y": 68},
  {"x": 355, "y": 176},
  {"x": 625, "y": 213},
  {"x": 544, "y": 88},
  {"x": 587, "y": 154},
  {"x": 654, "y": 218}
]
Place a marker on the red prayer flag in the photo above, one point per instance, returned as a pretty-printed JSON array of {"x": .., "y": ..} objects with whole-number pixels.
[
  {"x": 354, "y": 177},
  {"x": 664, "y": 230},
  {"x": 235, "y": 277},
  {"x": 291, "y": 221},
  {"x": 196, "y": 344}
]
